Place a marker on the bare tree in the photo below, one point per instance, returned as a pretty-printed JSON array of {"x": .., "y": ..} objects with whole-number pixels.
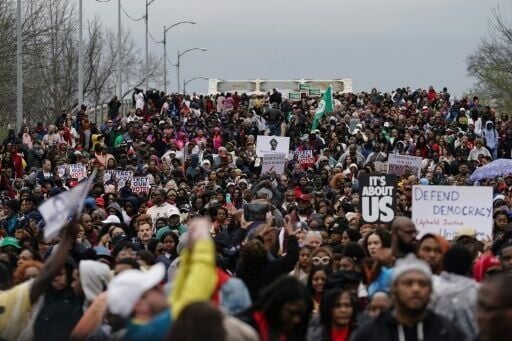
[
  {"x": 50, "y": 60},
  {"x": 491, "y": 63}
]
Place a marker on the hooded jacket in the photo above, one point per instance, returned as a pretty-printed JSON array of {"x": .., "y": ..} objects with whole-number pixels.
[
  {"x": 385, "y": 328},
  {"x": 490, "y": 135},
  {"x": 134, "y": 201},
  {"x": 94, "y": 277},
  {"x": 455, "y": 298}
]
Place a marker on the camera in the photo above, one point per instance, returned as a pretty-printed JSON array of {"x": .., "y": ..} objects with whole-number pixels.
[{"x": 255, "y": 211}]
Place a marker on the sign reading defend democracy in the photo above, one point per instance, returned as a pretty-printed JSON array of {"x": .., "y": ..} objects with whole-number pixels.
[
  {"x": 400, "y": 164},
  {"x": 273, "y": 163},
  {"x": 444, "y": 209},
  {"x": 378, "y": 198}
]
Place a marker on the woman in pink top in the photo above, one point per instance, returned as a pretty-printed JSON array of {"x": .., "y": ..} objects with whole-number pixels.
[
  {"x": 200, "y": 137},
  {"x": 217, "y": 139},
  {"x": 27, "y": 138}
]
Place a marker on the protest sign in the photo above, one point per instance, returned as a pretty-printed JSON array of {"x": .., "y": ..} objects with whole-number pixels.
[
  {"x": 273, "y": 163},
  {"x": 140, "y": 184},
  {"x": 294, "y": 96},
  {"x": 63, "y": 171},
  {"x": 401, "y": 164},
  {"x": 117, "y": 177},
  {"x": 72, "y": 171},
  {"x": 77, "y": 171},
  {"x": 378, "y": 198},
  {"x": 272, "y": 145},
  {"x": 315, "y": 92},
  {"x": 304, "y": 87},
  {"x": 444, "y": 209},
  {"x": 305, "y": 157}
]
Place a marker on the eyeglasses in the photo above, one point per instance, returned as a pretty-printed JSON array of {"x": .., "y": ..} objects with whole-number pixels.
[{"x": 321, "y": 260}]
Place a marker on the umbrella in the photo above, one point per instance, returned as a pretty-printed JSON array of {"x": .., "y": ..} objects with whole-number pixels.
[{"x": 500, "y": 167}]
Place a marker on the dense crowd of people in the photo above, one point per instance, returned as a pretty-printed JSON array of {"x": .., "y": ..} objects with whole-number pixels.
[{"x": 183, "y": 260}]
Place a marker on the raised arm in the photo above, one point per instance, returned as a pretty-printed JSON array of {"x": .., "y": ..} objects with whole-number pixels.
[
  {"x": 55, "y": 262},
  {"x": 197, "y": 276}
]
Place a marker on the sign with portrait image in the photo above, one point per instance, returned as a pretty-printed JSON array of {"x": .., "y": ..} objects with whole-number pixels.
[
  {"x": 72, "y": 171},
  {"x": 272, "y": 145},
  {"x": 117, "y": 177}
]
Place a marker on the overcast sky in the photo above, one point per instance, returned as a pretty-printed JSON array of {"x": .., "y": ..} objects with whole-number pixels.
[{"x": 376, "y": 43}]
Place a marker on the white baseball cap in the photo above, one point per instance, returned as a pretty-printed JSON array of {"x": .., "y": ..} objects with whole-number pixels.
[
  {"x": 112, "y": 219},
  {"x": 129, "y": 286}
]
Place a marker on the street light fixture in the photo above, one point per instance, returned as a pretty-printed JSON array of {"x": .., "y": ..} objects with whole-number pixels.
[
  {"x": 165, "y": 47},
  {"x": 190, "y": 80},
  {"x": 178, "y": 64}
]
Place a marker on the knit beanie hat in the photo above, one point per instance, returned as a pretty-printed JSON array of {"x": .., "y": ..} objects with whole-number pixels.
[{"x": 409, "y": 263}]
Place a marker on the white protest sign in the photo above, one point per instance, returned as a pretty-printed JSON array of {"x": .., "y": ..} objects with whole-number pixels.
[
  {"x": 400, "y": 164},
  {"x": 273, "y": 163},
  {"x": 72, "y": 171},
  {"x": 140, "y": 184},
  {"x": 62, "y": 170},
  {"x": 119, "y": 177},
  {"x": 77, "y": 171},
  {"x": 444, "y": 209},
  {"x": 272, "y": 145}
]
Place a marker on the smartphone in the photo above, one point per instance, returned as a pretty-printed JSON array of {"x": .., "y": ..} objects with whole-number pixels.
[{"x": 255, "y": 212}]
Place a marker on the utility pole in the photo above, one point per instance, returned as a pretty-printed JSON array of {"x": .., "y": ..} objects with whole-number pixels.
[
  {"x": 147, "y": 46},
  {"x": 80, "y": 58},
  {"x": 165, "y": 60},
  {"x": 19, "y": 70},
  {"x": 119, "y": 57},
  {"x": 178, "y": 70}
]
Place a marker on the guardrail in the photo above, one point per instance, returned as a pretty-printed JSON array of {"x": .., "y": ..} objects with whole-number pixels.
[{"x": 100, "y": 113}]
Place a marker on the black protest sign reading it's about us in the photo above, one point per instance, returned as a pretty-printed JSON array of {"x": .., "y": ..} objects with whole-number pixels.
[{"x": 377, "y": 198}]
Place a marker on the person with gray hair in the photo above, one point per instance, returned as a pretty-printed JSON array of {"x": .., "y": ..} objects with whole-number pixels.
[{"x": 410, "y": 319}]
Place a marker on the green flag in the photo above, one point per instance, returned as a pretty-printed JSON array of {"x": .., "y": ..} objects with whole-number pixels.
[{"x": 325, "y": 106}]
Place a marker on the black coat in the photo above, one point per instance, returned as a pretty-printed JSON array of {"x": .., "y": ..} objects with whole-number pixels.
[
  {"x": 385, "y": 328},
  {"x": 257, "y": 279},
  {"x": 40, "y": 178},
  {"x": 58, "y": 316}
]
